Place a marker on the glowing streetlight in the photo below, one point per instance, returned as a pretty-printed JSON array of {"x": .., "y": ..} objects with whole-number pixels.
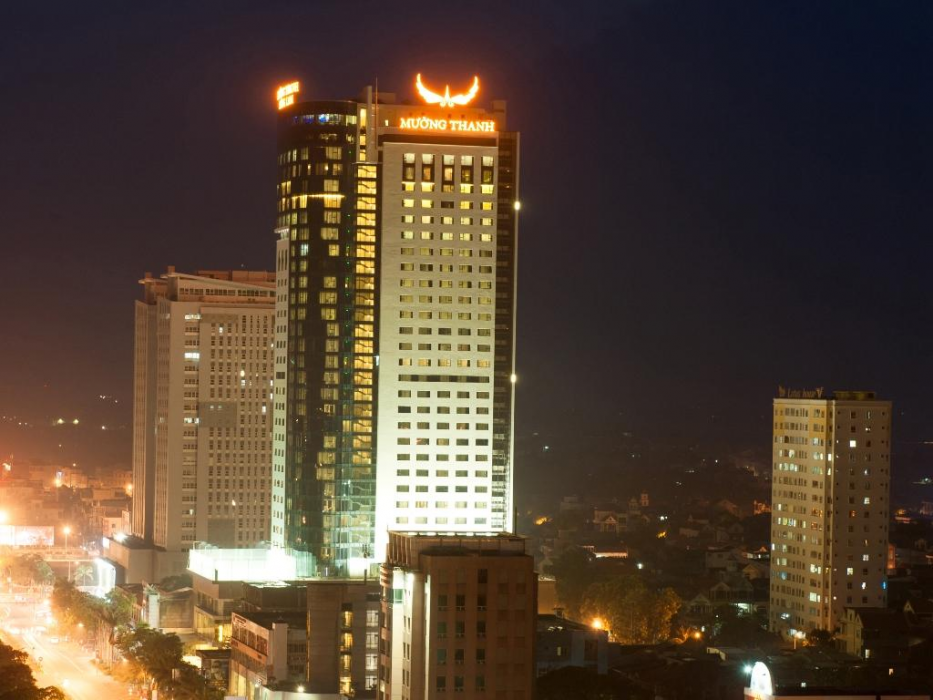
[{"x": 597, "y": 623}]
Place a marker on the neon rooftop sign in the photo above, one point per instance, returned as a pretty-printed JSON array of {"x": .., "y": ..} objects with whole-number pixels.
[
  {"x": 446, "y": 100},
  {"x": 460, "y": 125},
  {"x": 285, "y": 95}
]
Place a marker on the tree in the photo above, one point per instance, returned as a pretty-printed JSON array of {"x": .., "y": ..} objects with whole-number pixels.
[
  {"x": 157, "y": 659},
  {"x": 50, "y": 692},
  {"x": 633, "y": 613},
  {"x": 84, "y": 574},
  {"x": 820, "y": 638},
  {"x": 572, "y": 570},
  {"x": 73, "y": 607},
  {"x": 16, "y": 680},
  {"x": 153, "y": 653},
  {"x": 115, "y": 613},
  {"x": 30, "y": 569},
  {"x": 188, "y": 684}
]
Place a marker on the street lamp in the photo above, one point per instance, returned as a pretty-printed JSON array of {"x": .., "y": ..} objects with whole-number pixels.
[{"x": 67, "y": 531}]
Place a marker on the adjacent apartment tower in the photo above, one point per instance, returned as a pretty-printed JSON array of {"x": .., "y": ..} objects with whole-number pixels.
[
  {"x": 202, "y": 414},
  {"x": 395, "y": 323},
  {"x": 830, "y": 507}
]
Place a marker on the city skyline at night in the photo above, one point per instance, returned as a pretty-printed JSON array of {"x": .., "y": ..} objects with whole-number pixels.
[
  {"x": 536, "y": 351},
  {"x": 725, "y": 160}
]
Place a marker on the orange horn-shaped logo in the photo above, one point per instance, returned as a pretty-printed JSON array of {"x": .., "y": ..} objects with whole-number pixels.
[{"x": 446, "y": 100}]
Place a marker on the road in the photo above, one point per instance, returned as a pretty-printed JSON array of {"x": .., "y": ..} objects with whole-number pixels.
[{"x": 63, "y": 663}]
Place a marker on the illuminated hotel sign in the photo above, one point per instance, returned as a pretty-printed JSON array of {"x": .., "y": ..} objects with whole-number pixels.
[
  {"x": 446, "y": 100},
  {"x": 286, "y": 94},
  {"x": 459, "y": 125}
]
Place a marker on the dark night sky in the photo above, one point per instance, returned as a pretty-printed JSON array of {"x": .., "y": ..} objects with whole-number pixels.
[{"x": 718, "y": 197}]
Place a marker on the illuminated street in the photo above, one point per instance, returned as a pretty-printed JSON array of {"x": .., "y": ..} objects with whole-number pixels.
[{"x": 63, "y": 663}]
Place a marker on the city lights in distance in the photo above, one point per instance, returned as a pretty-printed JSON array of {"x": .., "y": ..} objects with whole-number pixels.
[
  {"x": 446, "y": 100},
  {"x": 285, "y": 95}
]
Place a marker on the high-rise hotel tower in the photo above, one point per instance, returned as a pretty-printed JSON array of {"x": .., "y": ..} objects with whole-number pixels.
[
  {"x": 395, "y": 323},
  {"x": 830, "y": 507}
]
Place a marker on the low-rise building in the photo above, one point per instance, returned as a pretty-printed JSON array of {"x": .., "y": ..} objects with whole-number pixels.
[
  {"x": 265, "y": 648},
  {"x": 879, "y": 634},
  {"x": 562, "y": 642},
  {"x": 773, "y": 683}
]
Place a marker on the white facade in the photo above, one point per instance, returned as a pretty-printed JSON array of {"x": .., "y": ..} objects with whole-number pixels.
[
  {"x": 830, "y": 509},
  {"x": 279, "y": 393},
  {"x": 212, "y": 380},
  {"x": 436, "y": 339}
]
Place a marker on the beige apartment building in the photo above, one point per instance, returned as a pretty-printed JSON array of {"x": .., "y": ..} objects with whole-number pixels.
[
  {"x": 202, "y": 419},
  {"x": 459, "y": 618},
  {"x": 830, "y": 507}
]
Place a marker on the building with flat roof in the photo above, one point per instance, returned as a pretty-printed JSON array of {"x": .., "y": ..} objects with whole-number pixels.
[
  {"x": 343, "y": 638},
  {"x": 562, "y": 642},
  {"x": 202, "y": 412},
  {"x": 830, "y": 507},
  {"x": 395, "y": 322},
  {"x": 265, "y": 648},
  {"x": 459, "y": 616}
]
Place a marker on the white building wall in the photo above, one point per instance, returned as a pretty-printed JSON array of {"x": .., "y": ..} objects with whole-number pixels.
[
  {"x": 144, "y": 408},
  {"x": 213, "y": 413},
  {"x": 280, "y": 400},
  {"x": 437, "y": 318}
]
